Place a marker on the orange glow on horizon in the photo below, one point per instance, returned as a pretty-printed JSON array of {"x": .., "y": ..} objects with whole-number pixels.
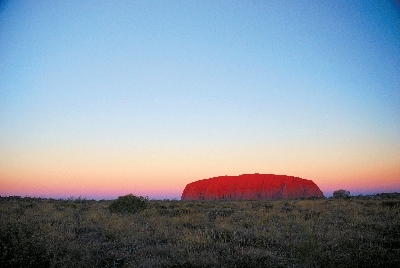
[
  {"x": 168, "y": 179},
  {"x": 168, "y": 187}
]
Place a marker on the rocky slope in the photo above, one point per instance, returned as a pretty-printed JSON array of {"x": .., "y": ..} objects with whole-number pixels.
[{"x": 251, "y": 187}]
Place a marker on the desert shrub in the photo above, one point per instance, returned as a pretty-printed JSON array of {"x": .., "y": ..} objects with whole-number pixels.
[
  {"x": 394, "y": 195},
  {"x": 249, "y": 262},
  {"x": 310, "y": 214},
  {"x": 287, "y": 207},
  {"x": 268, "y": 206},
  {"x": 341, "y": 194},
  {"x": 179, "y": 212},
  {"x": 390, "y": 204},
  {"x": 21, "y": 245},
  {"x": 128, "y": 204},
  {"x": 287, "y": 233},
  {"x": 223, "y": 213}
]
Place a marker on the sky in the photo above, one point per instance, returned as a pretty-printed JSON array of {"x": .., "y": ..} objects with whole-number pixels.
[{"x": 100, "y": 99}]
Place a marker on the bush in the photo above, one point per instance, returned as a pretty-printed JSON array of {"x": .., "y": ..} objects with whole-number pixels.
[
  {"x": 341, "y": 194},
  {"x": 128, "y": 204}
]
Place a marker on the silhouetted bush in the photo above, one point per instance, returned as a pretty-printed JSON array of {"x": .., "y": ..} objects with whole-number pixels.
[
  {"x": 341, "y": 194},
  {"x": 128, "y": 204}
]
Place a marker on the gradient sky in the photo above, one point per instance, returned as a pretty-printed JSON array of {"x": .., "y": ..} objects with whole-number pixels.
[{"x": 104, "y": 98}]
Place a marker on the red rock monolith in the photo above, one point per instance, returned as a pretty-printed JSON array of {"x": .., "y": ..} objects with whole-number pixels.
[{"x": 251, "y": 187}]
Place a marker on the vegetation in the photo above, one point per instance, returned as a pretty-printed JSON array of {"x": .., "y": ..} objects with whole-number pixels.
[
  {"x": 128, "y": 204},
  {"x": 341, "y": 194},
  {"x": 350, "y": 232}
]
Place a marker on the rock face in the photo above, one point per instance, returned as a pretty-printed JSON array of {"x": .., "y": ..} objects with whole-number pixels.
[{"x": 251, "y": 187}]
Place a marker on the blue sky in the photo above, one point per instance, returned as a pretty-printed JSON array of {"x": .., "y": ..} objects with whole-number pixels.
[{"x": 155, "y": 94}]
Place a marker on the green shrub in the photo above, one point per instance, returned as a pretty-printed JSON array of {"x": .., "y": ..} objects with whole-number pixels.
[{"x": 128, "y": 204}]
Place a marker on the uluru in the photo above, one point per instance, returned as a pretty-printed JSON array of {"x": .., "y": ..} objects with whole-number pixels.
[{"x": 251, "y": 187}]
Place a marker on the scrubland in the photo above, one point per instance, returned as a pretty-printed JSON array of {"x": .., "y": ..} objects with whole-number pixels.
[{"x": 351, "y": 232}]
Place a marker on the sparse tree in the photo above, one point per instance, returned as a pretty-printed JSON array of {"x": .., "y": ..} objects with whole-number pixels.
[{"x": 341, "y": 194}]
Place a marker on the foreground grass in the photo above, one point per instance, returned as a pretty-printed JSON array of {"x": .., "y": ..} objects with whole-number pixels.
[{"x": 355, "y": 232}]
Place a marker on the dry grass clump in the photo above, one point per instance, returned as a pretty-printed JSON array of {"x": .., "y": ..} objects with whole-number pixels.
[{"x": 351, "y": 232}]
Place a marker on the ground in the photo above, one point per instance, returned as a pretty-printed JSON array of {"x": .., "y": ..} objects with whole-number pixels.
[{"x": 351, "y": 232}]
